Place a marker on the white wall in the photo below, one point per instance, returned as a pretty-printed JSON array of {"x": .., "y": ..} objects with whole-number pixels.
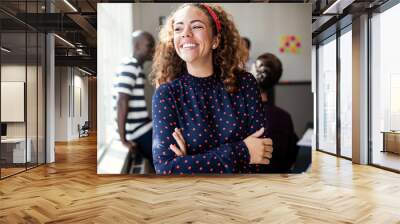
[
  {"x": 70, "y": 84},
  {"x": 262, "y": 23},
  {"x": 79, "y": 117},
  {"x": 61, "y": 103}
]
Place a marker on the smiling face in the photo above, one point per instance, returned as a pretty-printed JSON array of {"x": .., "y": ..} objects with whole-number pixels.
[{"x": 193, "y": 36}]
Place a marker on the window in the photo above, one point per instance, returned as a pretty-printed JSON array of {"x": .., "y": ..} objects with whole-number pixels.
[
  {"x": 346, "y": 93},
  {"x": 22, "y": 76},
  {"x": 327, "y": 96},
  {"x": 385, "y": 89}
]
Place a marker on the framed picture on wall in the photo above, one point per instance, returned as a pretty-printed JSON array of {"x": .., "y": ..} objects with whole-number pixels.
[{"x": 12, "y": 101}]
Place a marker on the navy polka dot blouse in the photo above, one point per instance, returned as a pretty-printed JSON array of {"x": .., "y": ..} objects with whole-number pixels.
[{"x": 214, "y": 124}]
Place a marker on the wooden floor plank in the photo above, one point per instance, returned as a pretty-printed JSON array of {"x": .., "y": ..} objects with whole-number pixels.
[{"x": 69, "y": 191}]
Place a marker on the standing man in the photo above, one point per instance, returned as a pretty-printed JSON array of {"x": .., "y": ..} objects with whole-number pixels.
[
  {"x": 133, "y": 121},
  {"x": 249, "y": 61}
]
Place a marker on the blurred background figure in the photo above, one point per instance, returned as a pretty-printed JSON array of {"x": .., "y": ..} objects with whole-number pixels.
[
  {"x": 279, "y": 122},
  {"x": 249, "y": 61},
  {"x": 134, "y": 125}
]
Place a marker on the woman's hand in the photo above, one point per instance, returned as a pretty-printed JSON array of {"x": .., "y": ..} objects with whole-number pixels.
[
  {"x": 181, "y": 150},
  {"x": 260, "y": 149}
]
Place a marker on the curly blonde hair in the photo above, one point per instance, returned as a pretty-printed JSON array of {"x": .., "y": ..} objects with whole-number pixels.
[{"x": 228, "y": 57}]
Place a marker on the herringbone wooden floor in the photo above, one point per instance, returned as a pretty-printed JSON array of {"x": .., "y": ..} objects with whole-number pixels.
[{"x": 70, "y": 191}]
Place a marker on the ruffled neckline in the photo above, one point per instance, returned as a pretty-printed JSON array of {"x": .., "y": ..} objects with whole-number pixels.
[{"x": 195, "y": 79}]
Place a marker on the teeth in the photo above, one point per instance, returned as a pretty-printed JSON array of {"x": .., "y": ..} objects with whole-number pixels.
[{"x": 189, "y": 45}]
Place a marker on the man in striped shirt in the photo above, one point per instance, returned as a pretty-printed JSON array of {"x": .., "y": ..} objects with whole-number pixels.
[{"x": 133, "y": 120}]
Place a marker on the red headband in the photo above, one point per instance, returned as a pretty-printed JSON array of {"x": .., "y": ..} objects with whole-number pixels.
[{"x": 214, "y": 16}]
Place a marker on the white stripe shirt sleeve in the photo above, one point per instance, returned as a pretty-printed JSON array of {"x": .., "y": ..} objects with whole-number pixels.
[
  {"x": 140, "y": 131},
  {"x": 125, "y": 84},
  {"x": 138, "y": 92},
  {"x": 137, "y": 115},
  {"x": 129, "y": 69},
  {"x": 137, "y": 103}
]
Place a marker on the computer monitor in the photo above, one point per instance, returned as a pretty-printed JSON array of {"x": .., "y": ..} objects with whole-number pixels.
[{"x": 3, "y": 129}]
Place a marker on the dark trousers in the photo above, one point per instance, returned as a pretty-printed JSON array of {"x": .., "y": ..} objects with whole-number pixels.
[{"x": 145, "y": 145}]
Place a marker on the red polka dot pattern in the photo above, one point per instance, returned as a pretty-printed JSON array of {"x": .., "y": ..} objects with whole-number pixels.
[{"x": 214, "y": 124}]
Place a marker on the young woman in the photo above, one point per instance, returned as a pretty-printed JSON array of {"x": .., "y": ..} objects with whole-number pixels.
[{"x": 207, "y": 113}]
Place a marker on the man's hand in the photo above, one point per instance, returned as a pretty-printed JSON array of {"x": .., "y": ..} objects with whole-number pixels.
[{"x": 132, "y": 146}]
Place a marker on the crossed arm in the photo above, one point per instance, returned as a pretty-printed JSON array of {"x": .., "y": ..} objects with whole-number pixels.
[{"x": 169, "y": 147}]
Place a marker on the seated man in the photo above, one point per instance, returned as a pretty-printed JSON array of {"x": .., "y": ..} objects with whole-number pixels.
[
  {"x": 133, "y": 120},
  {"x": 279, "y": 122}
]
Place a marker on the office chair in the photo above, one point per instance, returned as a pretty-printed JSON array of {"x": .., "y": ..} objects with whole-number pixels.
[{"x": 84, "y": 130}]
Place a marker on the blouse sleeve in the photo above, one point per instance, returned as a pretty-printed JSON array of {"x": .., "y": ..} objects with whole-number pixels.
[
  {"x": 256, "y": 113},
  {"x": 227, "y": 158},
  {"x": 257, "y": 117}
]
